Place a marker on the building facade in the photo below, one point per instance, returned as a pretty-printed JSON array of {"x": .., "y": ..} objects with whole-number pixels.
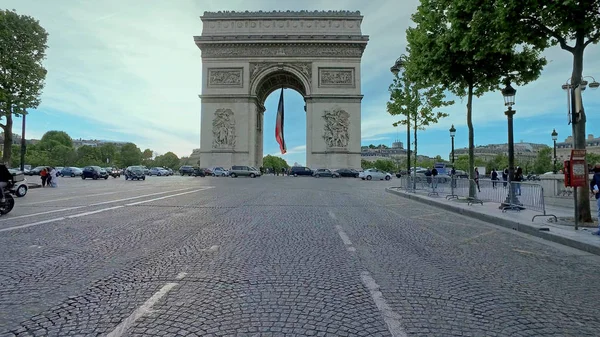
[
  {"x": 563, "y": 149},
  {"x": 524, "y": 152}
]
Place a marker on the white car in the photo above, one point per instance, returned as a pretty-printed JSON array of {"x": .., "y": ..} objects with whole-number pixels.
[
  {"x": 220, "y": 172},
  {"x": 374, "y": 174}
]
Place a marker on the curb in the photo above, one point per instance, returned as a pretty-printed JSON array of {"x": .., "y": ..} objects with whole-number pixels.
[{"x": 523, "y": 228}]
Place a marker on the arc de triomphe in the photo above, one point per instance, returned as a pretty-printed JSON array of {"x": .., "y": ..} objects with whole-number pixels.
[{"x": 248, "y": 55}]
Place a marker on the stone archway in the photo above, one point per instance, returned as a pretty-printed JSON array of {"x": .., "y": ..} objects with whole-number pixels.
[{"x": 248, "y": 55}]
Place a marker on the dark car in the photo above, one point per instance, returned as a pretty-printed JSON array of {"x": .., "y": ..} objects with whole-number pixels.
[
  {"x": 113, "y": 172},
  {"x": 186, "y": 169},
  {"x": 301, "y": 171},
  {"x": 325, "y": 173},
  {"x": 135, "y": 173},
  {"x": 94, "y": 172},
  {"x": 199, "y": 172},
  {"x": 347, "y": 173},
  {"x": 36, "y": 170}
]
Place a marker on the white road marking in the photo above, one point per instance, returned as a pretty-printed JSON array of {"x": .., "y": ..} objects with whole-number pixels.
[
  {"x": 391, "y": 318},
  {"x": 332, "y": 215},
  {"x": 165, "y": 197},
  {"x": 31, "y": 224},
  {"x": 42, "y": 213},
  {"x": 345, "y": 238},
  {"x": 181, "y": 275},
  {"x": 145, "y": 308},
  {"x": 70, "y": 198},
  {"x": 137, "y": 197},
  {"x": 97, "y": 211},
  {"x": 92, "y": 212}
]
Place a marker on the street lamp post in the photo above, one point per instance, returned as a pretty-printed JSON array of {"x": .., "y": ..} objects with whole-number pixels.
[
  {"x": 509, "y": 100},
  {"x": 554, "y": 138},
  {"x": 395, "y": 69},
  {"x": 452, "y": 134}
]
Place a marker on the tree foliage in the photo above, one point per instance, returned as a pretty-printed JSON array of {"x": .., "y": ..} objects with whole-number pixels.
[
  {"x": 22, "y": 50},
  {"x": 273, "y": 162},
  {"x": 454, "y": 45},
  {"x": 571, "y": 24},
  {"x": 543, "y": 161},
  {"x": 168, "y": 159},
  {"x": 130, "y": 155}
]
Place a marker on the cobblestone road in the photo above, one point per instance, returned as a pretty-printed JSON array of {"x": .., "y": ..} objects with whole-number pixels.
[{"x": 275, "y": 256}]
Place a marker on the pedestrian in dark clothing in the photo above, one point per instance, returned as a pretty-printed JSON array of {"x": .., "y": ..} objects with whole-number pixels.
[
  {"x": 494, "y": 178},
  {"x": 477, "y": 179},
  {"x": 504, "y": 177},
  {"x": 434, "y": 173},
  {"x": 44, "y": 175},
  {"x": 595, "y": 189}
]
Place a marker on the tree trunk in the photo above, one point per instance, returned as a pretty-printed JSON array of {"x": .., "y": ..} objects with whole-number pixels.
[
  {"x": 8, "y": 139},
  {"x": 579, "y": 135},
  {"x": 471, "y": 142}
]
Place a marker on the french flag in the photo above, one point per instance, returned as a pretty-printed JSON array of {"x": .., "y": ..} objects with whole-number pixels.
[{"x": 279, "y": 125}]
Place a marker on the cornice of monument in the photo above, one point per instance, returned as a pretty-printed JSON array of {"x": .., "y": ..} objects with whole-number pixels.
[
  {"x": 275, "y": 13},
  {"x": 279, "y": 38}
]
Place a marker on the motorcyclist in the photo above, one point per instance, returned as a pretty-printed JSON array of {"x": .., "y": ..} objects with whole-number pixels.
[{"x": 5, "y": 177}]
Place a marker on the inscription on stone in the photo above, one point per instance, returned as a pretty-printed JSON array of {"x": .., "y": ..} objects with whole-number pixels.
[
  {"x": 336, "y": 77},
  {"x": 225, "y": 77}
]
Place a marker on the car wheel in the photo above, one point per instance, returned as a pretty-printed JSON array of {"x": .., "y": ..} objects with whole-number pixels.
[
  {"x": 224, "y": 175},
  {"x": 95, "y": 177},
  {"x": 295, "y": 174},
  {"x": 362, "y": 178},
  {"x": 233, "y": 175},
  {"x": 317, "y": 176},
  {"x": 387, "y": 177},
  {"x": 143, "y": 178},
  {"x": 82, "y": 177},
  {"x": 21, "y": 191},
  {"x": 369, "y": 177},
  {"x": 105, "y": 177},
  {"x": 72, "y": 175},
  {"x": 126, "y": 177},
  {"x": 252, "y": 175}
]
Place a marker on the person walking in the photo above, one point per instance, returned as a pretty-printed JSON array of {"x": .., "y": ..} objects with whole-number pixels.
[
  {"x": 505, "y": 177},
  {"x": 44, "y": 175},
  {"x": 494, "y": 178},
  {"x": 595, "y": 188},
  {"x": 53, "y": 177},
  {"x": 477, "y": 179},
  {"x": 518, "y": 178},
  {"x": 434, "y": 173}
]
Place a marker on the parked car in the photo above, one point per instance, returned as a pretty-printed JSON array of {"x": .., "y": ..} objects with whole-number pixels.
[
  {"x": 169, "y": 171},
  {"x": 71, "y": 172},
  {"x": 113, "y": 172},
  {"x": 219, "y": 172},
  {"x": 158, "y": 171},
  {"x": 186, "y": 170},
  {"x": 374, "y": 174},
  {"x": 348, "y": 173},
  {"x": 199, "y": 172},
  {"x": 208, "y": 171},
  {"x": 301, "y": 171},
  {"x": 94, "y": 172},
  {"x": 244, "y": 171},
  {"x": 135, "y": 173},
  {"x": 325, "y": 173},
  {"x": 36, "y": 170}
]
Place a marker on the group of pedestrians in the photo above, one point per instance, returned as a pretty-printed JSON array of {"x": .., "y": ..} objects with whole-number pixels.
[
  {"x": 49, "y": 177},
  {"x": 518, "y": 177}
]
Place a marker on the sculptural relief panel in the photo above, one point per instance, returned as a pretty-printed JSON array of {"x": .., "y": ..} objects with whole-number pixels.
[
  {"x": 336, "y": 77},
  {"x": 336, "y": 129},
  {"x": 223, "y": 129},
  {"x": 282, "y": 26},
  {"x": 225, "y": 77}
]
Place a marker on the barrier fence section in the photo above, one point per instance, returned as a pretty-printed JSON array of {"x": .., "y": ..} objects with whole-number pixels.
[{"x": 526, "y": 195}]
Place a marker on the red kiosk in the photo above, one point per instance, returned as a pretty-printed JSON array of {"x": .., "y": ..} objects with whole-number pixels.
[{"x": 575, "y": 172}]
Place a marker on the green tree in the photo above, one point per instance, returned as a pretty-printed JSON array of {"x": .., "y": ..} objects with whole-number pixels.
[
  {"x": 384, "y": 165},
  {"x": 543, "y": 162},
  {"x": 168, "y": 159},
  {"x": 365, "y": 164},
  {"x": 130, "y": 155},
  {"x": 417, "y": 102},
  {"x": 453, "y": 44},
  {"x": 62, "y": 155},
  {"x": 22, "y": 50},
  {"x": 462, "y": 163},
  {"x": 274, "y": 162},
  {"x": 573, "y": 25},
  {"x": 88, "y": 155},
  {"x": 54, "y": 138},
  {"x": 499, "y": 163}
]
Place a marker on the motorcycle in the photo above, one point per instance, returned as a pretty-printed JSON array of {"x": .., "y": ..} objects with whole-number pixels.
[{"x": 9, "y": 201}]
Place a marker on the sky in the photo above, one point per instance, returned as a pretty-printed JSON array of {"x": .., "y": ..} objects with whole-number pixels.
[{"x": 130, "y": 71}]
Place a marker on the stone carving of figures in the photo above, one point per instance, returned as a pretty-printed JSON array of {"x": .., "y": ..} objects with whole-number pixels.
[
  {"x": 337, "y": 123},
  {"x": 224, "y": 129}
]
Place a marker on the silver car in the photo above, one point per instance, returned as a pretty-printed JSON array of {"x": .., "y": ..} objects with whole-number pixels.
[
  {"x": 244, "y": 171},
  {"x": 370, "y": 174}
]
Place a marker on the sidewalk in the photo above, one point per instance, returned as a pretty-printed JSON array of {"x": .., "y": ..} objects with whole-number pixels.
[{"x": 521, "y": 221}]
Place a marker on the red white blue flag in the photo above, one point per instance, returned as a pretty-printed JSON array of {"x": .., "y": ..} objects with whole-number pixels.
[{"x": 279, "y": 125}]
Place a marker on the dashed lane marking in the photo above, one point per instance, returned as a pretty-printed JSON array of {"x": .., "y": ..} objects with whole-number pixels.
[
  {"x": 391, "y": 318},
  {"x": 137, "y": 197},
  {"x": 345, "y": 238},
  {"x": 42, "y": 213},
  {"x": 96, "y": 211}
]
